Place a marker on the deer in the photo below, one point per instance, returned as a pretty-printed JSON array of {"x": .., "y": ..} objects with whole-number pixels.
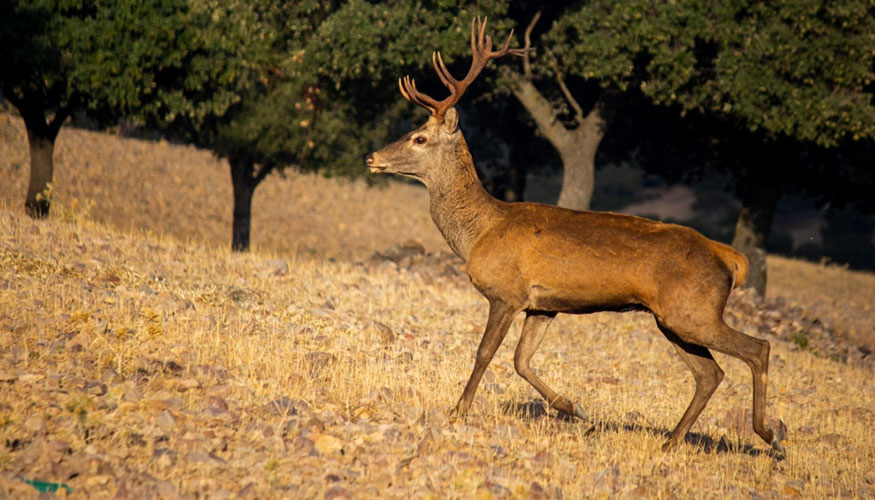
[{"x": 544, "y": 260}]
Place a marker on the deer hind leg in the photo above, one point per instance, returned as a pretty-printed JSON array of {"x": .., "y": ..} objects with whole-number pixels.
[
  {"x": 534, "y": 328},
  {"x": 500, "y": 317},
  {"x": 708, "y": 376},
  {"x": 754, "y": 352}
]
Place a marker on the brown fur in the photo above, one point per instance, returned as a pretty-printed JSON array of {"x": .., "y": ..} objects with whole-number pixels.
[{"x": 544, "y": 260}]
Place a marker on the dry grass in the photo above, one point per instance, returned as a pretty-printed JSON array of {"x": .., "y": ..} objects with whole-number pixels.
[{"x": 150, "y": 362}]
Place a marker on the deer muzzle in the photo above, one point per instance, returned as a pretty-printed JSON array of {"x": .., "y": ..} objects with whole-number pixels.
[{"x": 372, "y": 164}]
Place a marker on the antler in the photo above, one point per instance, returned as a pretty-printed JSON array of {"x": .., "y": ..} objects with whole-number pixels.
[{"x": 481, "y": 49}]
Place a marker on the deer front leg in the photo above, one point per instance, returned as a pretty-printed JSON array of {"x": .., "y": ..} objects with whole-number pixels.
[
  {"x": 500, "y": 317},
  {"x": 534, "y": 329}
]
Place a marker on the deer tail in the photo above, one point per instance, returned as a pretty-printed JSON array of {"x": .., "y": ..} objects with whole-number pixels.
[{"x": 734, "y": 260}]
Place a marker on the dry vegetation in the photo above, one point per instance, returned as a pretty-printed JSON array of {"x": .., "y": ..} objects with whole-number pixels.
[{"x": 141, "y": 359}]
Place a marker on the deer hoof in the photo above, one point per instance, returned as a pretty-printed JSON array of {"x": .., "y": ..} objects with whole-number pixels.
[
  {"x": 670, "y": 445},
  {"x": 780, "y": 452},
  {"x": 579, "y": 412}
]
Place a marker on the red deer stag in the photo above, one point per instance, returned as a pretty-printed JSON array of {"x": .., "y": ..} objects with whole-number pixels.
[{"x": 546, "y": 260}]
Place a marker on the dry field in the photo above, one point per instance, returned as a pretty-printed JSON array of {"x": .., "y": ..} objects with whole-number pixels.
[{"x": 141, "y": 359}]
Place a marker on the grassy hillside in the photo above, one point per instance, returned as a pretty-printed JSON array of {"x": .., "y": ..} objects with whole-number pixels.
[
  {"x": 184, "y": 192},
  {"x": 141, "y": 359}
]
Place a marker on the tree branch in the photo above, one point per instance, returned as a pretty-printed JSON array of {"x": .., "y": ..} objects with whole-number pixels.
[
  {"x": 54, "y": 126},
  {"x": 578, "y": 112},
  {"x": 265, "y": 169},
  {"x": 527, "y": 66}
]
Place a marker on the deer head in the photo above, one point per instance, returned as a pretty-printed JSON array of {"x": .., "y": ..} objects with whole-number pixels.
[{"x": 425, "y": 152}]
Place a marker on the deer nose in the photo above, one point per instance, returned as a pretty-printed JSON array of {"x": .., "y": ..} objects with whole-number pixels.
[{"x": 369, "y": 158}]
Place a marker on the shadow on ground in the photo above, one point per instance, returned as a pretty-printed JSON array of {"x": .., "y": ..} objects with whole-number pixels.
[{"x": 537, "y": 409}]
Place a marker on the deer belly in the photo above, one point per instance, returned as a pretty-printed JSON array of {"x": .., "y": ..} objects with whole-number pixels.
[{"x": 581, "y": 300}]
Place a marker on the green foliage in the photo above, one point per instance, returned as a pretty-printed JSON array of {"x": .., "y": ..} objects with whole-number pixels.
[
  {"x": 174, "y": 64},
  {"x": 799, "y": 69},
  {"x": 800, "y": 338}
]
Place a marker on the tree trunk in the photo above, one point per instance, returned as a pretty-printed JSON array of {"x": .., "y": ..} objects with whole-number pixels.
[
  {"x": 244, "y": 179},
  {"x": 576, "y": 146},
  {"x": 244, "y": 183},
  {"x": 41, "y": 141},
  {"x": 578, "y": 172},
  {"x": 753, "y": 228}
]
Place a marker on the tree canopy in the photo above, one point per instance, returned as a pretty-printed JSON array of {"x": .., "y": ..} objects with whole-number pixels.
[{"x": 798, "y": 69}]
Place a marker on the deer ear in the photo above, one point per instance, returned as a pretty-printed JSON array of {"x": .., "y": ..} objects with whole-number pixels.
[{"x": 451, "y": 121}]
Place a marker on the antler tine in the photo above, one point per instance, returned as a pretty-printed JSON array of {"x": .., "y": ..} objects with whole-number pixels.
[
  {"x": 481, "y": 52},
  {"x": 408, "y": 90},
  {"x": 441, "y": 69}
]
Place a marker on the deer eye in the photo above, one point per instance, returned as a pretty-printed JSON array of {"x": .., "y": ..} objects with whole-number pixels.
[{"x": 419, "y": 140}]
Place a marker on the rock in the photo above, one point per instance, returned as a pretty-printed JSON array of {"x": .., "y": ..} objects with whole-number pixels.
[
  {"x": 216, "y": 404},
  {"x": 164, "y": 457},
  {"x": 36, "y": 425},
  {"x": 337, "y": 492},
  {"x": 495, "y": 489},
  {"x": 537, "y": 492},
  {"x": 303, "y": 445},
  {"x": 238, "y": 295},
  {"x": 187, "y": 384},
  {"x": 326, "y": 444},
  {"x": 96, "y": 388},
  {"x": 30, "y": 378},
  {"x": 166, "y": 421}
]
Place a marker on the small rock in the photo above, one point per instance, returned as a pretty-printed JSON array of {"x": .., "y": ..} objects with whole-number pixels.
[
  {"x": 326, "y": 444},
  {"x": 337, "y": 492},
  {"x": 218, "y": 404},
  {"x": 303, "y": 445},
  {"x": 537, "y": 492},
  {"x": 238, "y": 295},
  {"x": 187, "y": 384},
  {"x": 164, "y": 457},
  {"x": 166, "y": 421},
  {"x": 30, "y": 378},
  {"x": 95, "y": 388},
  {"x": 35, "y": 424}
]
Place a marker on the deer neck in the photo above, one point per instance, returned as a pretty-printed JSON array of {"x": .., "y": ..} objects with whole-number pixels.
[{"x": 460, "y": 207}]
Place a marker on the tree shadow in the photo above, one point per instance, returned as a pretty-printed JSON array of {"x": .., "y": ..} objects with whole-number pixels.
[{"x": 537, "y": 409}]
